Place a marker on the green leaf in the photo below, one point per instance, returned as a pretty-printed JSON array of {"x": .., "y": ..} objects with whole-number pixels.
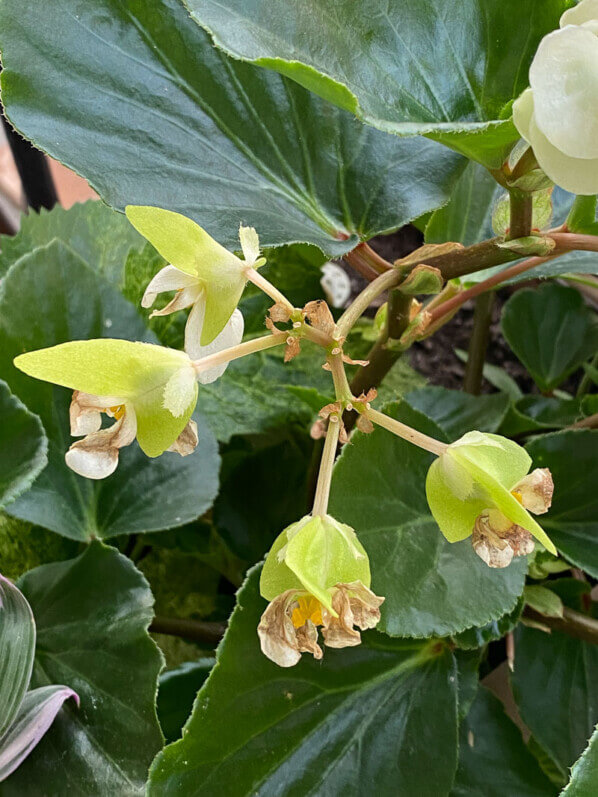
[
  {"x": 23, "y": 546},
  {"x": 99, "y": 235},
  {"x": 17, "y": 643},
  {"x": 571, "y": 521},
  {"x": 432, "y": 587},
  {"x": 582, "y": 217},
  {"x": 457, "y": 413},
  {"x": 551, "y": 330},
  {"x": 539, "y": 413},
  {"x": 479, "y": 636},
  {"x": 584, "y": 775},
  {"x": 234, "y": 143},
  {"x": 23, "y": 446},
  {"x": 543, "y": 600},
  {"x": 497, "y": 377},
  {"x": 466, "y": 217},
  {"x": 555, "y": 684},
  {"x": 50, "y": 296},
  {"x": 493, "y": 759},
  {"x": 176, "y": 695},
  {"x": 92, "y": 615},
  {"x": 262, "y": 492},
  {"x": 428, "y": 67},
  {"x": 320, "y": 727}
]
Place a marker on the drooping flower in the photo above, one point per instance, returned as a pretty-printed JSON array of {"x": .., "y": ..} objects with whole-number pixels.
[
  {"x": 149, "y": 390},
  {"x": 480, "y": 487},
  {"x": 557, "y": 114},
  {"x": 206, "y": 277},
  {"x": 316, "y": 574}
]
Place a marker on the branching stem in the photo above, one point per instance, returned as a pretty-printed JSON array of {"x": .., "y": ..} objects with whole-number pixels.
[{"x": 361, "y": 302}]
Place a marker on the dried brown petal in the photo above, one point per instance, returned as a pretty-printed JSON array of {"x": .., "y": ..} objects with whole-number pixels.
[
  {"x": 349, "y": 361},
  {"x": 186, "y": 442},
  {"x": 292, "y": 348},
  {"x": 496, "y": 540},
  {"x": 355, "y": 605},
  {"x": 279, "y": 312},
  {"x": 364, "y": 424},
  {"x": 329, "y": 409},
  {"x": 535, "y": 491},
  {"x": 318, "y": 430},
  {"x": 319, "y": 316}
]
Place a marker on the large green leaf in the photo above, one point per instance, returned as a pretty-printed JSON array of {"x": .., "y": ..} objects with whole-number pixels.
[
  {"x": 432, "y": 587},
  {"x": 51, "y": 296},
  {"x": 572, "y": 521},
  {"x": 584, "y": 775},
  {"x": 544, "y": 413},
  {"x": 551, "y": 330},
  {"x": 176, "y": 696},
  {"x": 151, "y": 113},
  {"x": 456, "y": 412},
  {"x": 17, "y": 645},
  {"x": 23, "y": 446},
  {"x": 555, "y": 683},
  {"x": 431, "y": 66},
  {"x": 493, "y": 759},
  {"x": 99, "y": 235},
  {"x": 92, "y": 615},
  {"x": 320, "y": 727}
]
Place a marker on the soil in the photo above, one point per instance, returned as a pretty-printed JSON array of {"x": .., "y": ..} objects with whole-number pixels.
[{"x": 434, "y": 358}]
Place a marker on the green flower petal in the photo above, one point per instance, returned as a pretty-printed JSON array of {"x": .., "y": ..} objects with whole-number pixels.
[
  {"x": 503, "y": 459},
  {"x": 317, "y": 553},
  {"x": 455, "y": 515}
]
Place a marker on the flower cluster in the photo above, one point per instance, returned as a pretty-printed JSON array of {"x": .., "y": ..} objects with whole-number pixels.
[
  {"x": 149, "y": 390},
  {"x": 557, "y": 114}
]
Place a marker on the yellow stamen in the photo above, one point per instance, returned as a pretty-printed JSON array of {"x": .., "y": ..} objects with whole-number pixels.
[
  {"x": 309, "y": 609},
  {"x": 118, "y": 411},
  {"x": 517, "y": 496}
]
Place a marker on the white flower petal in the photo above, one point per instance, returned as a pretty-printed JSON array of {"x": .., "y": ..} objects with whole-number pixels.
[
  {"x": 169, "y": 278},
  {"x": 179, "y": 391},
  {"x": 577, "y": 175},
  {"x": 564, "y": 79},
  {"x": 250, "y": 244},
  {"x": 85, "y": 411},
  {"x": 186, "y": 297},
  {"x": 586, "y": 11},
  {"x": 231, "y": 335},
  {"x": 96, "y": 456}
]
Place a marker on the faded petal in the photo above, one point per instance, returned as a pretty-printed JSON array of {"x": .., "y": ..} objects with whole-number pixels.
[
  {"x": 319, "y": 316},
  {"x": 292, "y": 348},
  {"x": 364, "y": 424},
  {"x": 496, "y": 540},
  {"x": 280, "y": 641},
  {"x": 231, "y": 335},
  {"x": 169, "y": 278},
  {"x": 96, "y": 456},
  {"x": 355, "y": 605},
  {"x": 536, "y": 491},
  {"x": 279, "y": 313},
  {"x": 186, "y": 442},
  {"x": 85, "y": 412}
]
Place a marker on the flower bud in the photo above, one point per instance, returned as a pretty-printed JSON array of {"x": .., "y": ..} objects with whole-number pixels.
[{"x": 557, "y": 114}]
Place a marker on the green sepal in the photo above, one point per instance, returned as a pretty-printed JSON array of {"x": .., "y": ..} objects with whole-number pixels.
[
  {"x": 529, "y": 245},
  {"x": 313, "y": 555},
  {"x": 186, "y": 245},
  {"x": 134, "y": 372}
]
